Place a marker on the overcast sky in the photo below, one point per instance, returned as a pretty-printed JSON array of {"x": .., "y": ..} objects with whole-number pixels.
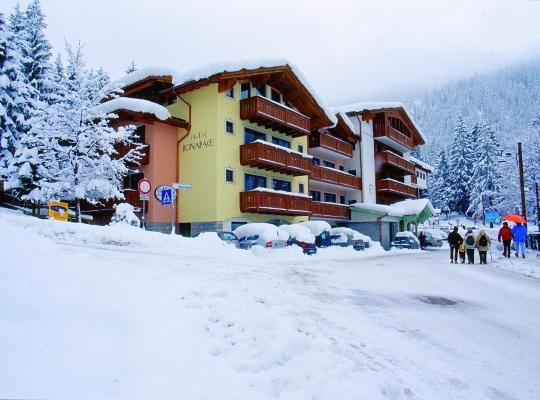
[{"x": 349, "y": 50}]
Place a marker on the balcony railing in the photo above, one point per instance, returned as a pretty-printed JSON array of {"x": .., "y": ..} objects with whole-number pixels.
[
  {"x": 274, "y": 116},
  {"x": 399, "y": 188},
  {"x": 320, "y": 139},
  {"x": 336, "y": 177},
  {"x": 389, "y": 158},
  {"x": 328, "y": 210},
  {"x": 267, "y": 156},
  {"x": 263, "y": 202},
  {"x": 380, "y": 129}
]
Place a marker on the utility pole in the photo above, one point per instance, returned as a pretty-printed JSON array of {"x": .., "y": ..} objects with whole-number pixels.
[
  {"x": 537, "y": 206},
  {"x": 522, "y": 182}
]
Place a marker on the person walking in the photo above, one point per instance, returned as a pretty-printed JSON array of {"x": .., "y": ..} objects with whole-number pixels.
[
  {"x": 519, "y": 233},
  {"x": 483, "y": 242},
  {"x": 422, "y": 240},
  {"x": 505, "y": 233},
  {"x": 454, "y": 240},
  {"x": 462, "y": 251},
  {"x": 470, "y": 245}
]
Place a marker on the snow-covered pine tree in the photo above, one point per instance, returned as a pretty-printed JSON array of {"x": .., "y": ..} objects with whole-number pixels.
[
  {"x": 460, "y": 168},
  {"x": 131, "y": 67},
  {"x": 87, "y": 165},
  {"x": 531, "y": 161},
  {"x": 15, "y": 96},
  {"x": 439, "y": 190},
  {"x": 486, "y": 180}
]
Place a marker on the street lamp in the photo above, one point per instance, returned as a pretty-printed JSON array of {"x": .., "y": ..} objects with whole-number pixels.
[{"x": 519, "y": 160}]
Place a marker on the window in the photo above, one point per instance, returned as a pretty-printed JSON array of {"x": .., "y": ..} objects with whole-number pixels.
[
  {"x": 315, "y": 195},
  {"x": 229, "y": 127},
  {"x": 329, "y": 197},
  {"x": 341, "y": 199},
  {"x": 132, "y": 180},
  {"x": 254, "y": 181},
  {"x": 251, "y": 135},
  {"x": 279, "y": 184},
  {"x": 275, "y": 95},
  {"x": 244, "y": 90},
  {"x": 230, "y": 93},
  {"x": 341, "y": 168},
  {"x": 281, "y": 142},
  {"x": 229, "y": 175},
  {"x": 236, "y": 224},
  {"x": 329, "y": 164},
  {"x": 140, "y": 136},
  {"x": 300, "y": 188},
  {"x": 261, "y": 90},
  {"x": 315, "y": 161},
  {"x": 300, "y": 148}
]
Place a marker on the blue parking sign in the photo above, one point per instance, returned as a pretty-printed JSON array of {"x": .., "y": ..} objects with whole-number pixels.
[{"x": 166, "y": 197}]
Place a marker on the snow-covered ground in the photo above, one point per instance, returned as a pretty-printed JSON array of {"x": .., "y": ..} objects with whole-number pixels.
[{"x": 113, "y": 313}]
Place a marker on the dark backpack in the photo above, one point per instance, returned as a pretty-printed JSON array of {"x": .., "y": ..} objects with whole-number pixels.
[
  {"x": 483, "y": 241},
  {"x": 470, "y": 240}
]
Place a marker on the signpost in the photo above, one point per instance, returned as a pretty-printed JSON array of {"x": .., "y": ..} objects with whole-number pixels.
[
  {"x": 491, "y": 216},
  {"x": 144, "y": 186},
  {"x": 58, "y": 210},
  {"x": 167, "y": 194}
]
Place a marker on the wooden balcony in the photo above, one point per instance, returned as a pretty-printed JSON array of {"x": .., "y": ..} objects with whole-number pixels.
[
  {"x": 335, "y": 177},
  {"x": 270, "y": 157},
  {"x": 389, "y": 159},
  {"x": 275, "y": 116},
  {"x": 382, "y": 130},
  {"x": 414, "y": 179},
  {"x": 325, "y": 141},
  {"x": 394, "y": 187},
  {"x": 329, "y": 210},
  {"x": 263, "y": 202}
]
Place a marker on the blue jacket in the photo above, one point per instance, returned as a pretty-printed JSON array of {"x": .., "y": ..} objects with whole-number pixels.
[{"x": 520, "y": 233}]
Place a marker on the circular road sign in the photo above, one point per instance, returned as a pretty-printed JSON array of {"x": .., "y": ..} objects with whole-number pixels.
[
  {"x": 159, "y": 189},
  {"x": 144, "y": 186}
]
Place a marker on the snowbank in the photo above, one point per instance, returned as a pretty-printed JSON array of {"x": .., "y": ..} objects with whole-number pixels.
[{"x": 136, "y": 105}]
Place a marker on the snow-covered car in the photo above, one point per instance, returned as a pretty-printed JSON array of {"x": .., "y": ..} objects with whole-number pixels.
[
  {"x": 300, "y": 236},
  {"x": 261, "y": 234},
  {"x": 433, "y": 238},
  {"x": 339, "y": 239},
  {"x": 321, "y": 231},
  {"x": 352, "y": 238},
  {"x": 228, "y": 237},
  {"x": 405, "y": 240}
]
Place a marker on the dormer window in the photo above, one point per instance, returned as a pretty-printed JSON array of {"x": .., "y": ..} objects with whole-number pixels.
[
  {"x": 261, "y": 91},
  {"x": 244, "y": 90}
]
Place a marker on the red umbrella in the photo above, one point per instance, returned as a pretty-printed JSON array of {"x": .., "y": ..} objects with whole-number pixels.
[{"x": 515, "y": 218}]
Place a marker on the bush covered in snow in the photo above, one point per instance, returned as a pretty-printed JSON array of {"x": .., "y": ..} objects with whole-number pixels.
[{"x": 125, "y": 214}]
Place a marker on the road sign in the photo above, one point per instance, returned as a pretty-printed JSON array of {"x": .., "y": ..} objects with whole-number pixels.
[
  {"x": 491, "y": 216},
  {"x": 144, "y": 197},
  {"x": 159, "y": 189},
  {"x": 182, "y": 186},
  {"x": 166, "y": 197},
  {"x": 58, "y": 210},
  {"x": 144, "y": 186}
]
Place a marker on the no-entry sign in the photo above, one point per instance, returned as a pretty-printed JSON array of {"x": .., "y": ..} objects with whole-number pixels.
[{"x": 144, "y": 186}]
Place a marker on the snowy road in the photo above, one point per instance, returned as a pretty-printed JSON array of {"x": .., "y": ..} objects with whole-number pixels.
[{"x": 91, "y": 321}]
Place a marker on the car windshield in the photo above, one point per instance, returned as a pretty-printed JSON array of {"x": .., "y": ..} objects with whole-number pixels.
[{"x": 227, "y": 236}]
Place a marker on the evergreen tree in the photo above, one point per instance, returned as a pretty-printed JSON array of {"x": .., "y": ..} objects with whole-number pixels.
[
  {"x": 439, "y": 190},
  {"x": 15, "y": 97},
  {"x": 76, "y": 144},
  {"x": 460, "y": 168},
  {"x": 486, "y": 180},
  {"x": 131, "y": 67}
]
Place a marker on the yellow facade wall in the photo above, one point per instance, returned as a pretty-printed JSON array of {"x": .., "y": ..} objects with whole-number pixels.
[{"x": 209, "y": 150}]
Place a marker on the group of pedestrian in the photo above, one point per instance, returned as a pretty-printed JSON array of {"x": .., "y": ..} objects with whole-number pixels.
[
  {"x": 518, "y": 233},
  {"x": 467, "y": 245}
]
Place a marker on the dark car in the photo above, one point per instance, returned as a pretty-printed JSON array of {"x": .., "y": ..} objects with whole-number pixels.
[
  {"x": 300, "y": 236},
  {"x": 307, "y": 248},
  {"x": 321, "y": 231},
  {"x": 404, "y": 240}
]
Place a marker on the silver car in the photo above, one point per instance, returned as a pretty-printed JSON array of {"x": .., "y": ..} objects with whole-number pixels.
[{"x": 261, "y": 234}]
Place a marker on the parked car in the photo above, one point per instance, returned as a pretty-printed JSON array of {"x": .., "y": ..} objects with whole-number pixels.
[
  {"x": 261, "y": 234},
  {"x": 352, "y": 238},
  {"x": 405, "y": 240},
  {"x": 321, "y": 231},
  {"x": 433, "y": 238},
  {"x": 228, "y": 237},
  {"x": 300, "y": 236}
]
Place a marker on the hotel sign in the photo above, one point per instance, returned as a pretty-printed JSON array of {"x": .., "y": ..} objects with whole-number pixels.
[{"x": 198, "y": 141}]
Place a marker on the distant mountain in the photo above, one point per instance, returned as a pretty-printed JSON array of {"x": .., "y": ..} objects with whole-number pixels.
[{"x": 509, "y": 99}]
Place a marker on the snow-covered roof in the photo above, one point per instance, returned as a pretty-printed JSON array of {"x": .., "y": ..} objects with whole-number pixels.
[
  {"x": 196, "y": 74},
  {"x": 299, "y": 232},
  {"x": 265, "y": 231},
  {"x": 377, "y": 105},
  {"x": 399, "y": 209},
  {"x": 136, "y": 105},
  {"x": 317, "y": 227},
  {"x": 421, "y": 164},
  {"x": 347, "y": 120}
]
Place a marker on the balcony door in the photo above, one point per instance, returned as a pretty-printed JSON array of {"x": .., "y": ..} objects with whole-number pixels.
[
  {"x": 253, "y": 182},
  {"x": 251, "y": 135}
]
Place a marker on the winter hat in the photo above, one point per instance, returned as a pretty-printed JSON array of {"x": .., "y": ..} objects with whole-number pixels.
[
  {"x": 469, "y": 230},
  {"x": 505, "y": 223},
  {"x": 455, "y": 228},
  {"x": 482, "y": 232}
]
